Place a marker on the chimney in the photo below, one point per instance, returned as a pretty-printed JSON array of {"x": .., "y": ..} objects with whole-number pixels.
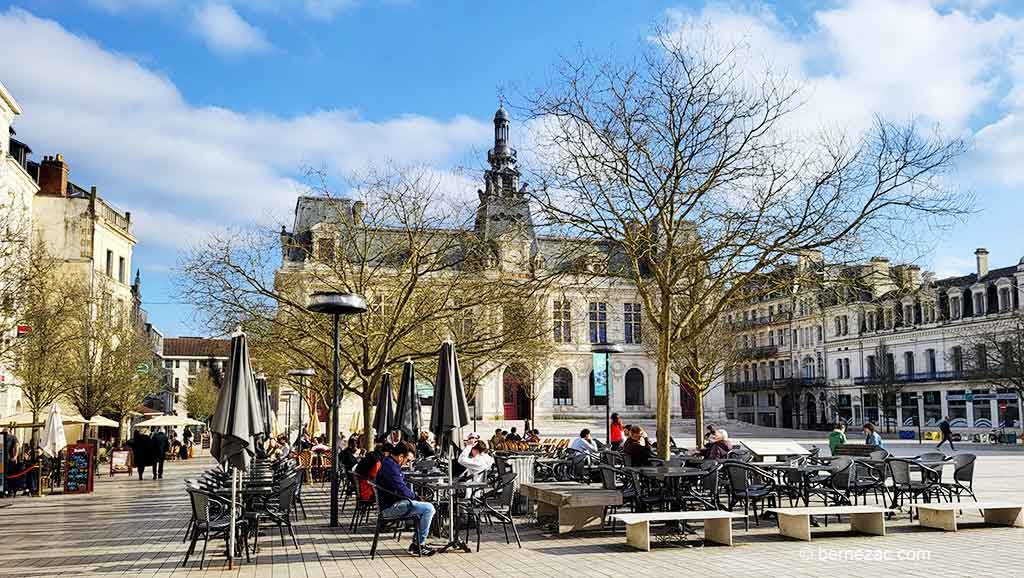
[
  {"x": 357, "y": 212},
  {"x": 981, "y": 255},
  {"x": 53, "y": 176}
]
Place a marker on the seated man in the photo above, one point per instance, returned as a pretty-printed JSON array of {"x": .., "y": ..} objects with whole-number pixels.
[
  {"x": 585, "y": 449},
  {"x": 476, "y": 461},
  {"x": 398, "y": 500},
  {"x": 498, "y": 438},
  {"x": 513, "y": 436},
  {"x": 638, "y": 448}
]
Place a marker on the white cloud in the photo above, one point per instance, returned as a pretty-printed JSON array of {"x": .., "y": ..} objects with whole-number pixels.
[
  {"x": 225, "y": 32},
  {"x": 183, "y": 169},
  {"x": 953, "y": 266},
  {"x": 899, "y": 58}
]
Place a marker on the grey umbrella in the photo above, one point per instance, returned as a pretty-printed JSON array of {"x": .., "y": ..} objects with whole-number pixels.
[
  {"x": 407, "y": 414},
  {"x": 384, "y": 417},
  {"x": 263, "y": 396},
  {"x": 237, "y": 422},
  {"x": 450, "y": 413}
]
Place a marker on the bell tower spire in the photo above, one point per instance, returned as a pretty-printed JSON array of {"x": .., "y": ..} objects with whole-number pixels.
[{"x": 502, "y": 157}]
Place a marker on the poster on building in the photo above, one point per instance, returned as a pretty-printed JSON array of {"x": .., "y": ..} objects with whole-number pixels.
[{"x": 600, "y": 375}]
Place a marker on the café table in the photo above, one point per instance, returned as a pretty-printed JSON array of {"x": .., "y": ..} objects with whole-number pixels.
[
  {"x": 454, "y": 494},
  {"x": 679, "y": 480}
]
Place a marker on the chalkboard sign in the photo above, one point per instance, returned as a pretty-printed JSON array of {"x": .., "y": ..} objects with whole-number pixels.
[
  {"x": 206, "y": 441},
  {"x": 78, "y": 474},
  {"x": 121, "y": 461}
]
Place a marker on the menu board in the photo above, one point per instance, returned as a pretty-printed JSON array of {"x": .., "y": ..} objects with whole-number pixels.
[
  {"x": 121, "y": 461},
  {"x": 78, "y": 469},
  {"x": 206, "y": 441}
]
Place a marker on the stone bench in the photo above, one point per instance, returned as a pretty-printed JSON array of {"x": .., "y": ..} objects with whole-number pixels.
[
  {"x": 796, "y": 522},
  {"x": 571, "y": 505},
  {"x": 717, "y": 525},
  {"x": 943, "y": 515}
]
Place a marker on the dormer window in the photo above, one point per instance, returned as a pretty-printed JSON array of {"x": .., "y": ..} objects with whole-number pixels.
[
  {"x": 908, "y": 314},
  {"x": 1005, "y": 302},
  {"x": 979, "y": 303},
  {"x": 955, "y": 307}
]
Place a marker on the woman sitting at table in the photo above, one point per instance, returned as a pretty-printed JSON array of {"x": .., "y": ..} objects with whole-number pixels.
[
  {"x": 638, "y": 448},
  {"x": 424, "y": 447},
  {"x": 719, "y": 447},
  {"x": 476, "y": 461}
]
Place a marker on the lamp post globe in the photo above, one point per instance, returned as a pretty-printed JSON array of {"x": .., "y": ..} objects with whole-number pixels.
[{"x": 336, "y": 304}]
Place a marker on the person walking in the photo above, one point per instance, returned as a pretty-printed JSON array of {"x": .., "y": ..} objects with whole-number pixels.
[
  {"x": 142, "y": 451},
  {"x": 186, "y": 442},
  {"x": 947, "y": 433},
  {"x": 160, "y": 447}
]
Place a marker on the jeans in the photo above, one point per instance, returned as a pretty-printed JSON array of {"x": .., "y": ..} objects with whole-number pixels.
[{"x": 422, "y": 510}]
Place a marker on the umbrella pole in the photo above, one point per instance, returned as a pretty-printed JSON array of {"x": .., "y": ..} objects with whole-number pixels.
[{"x": 231, "y": 537}]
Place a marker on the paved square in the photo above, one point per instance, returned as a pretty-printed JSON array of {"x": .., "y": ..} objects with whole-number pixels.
[{"x": 133, "y": 528}]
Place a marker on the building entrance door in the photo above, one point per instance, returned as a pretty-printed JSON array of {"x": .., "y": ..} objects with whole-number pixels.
[{"x": 514, "y": 400}]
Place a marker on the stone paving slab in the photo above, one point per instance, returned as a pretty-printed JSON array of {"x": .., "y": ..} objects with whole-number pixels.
[{"x": 135, "y": 528}]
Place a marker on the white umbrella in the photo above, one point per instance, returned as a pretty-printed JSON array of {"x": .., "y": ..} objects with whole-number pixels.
[
  {"x": 24, "y": 419},
  {"x": 168, "y": 421},
  {"x": 53, "y": 440}
]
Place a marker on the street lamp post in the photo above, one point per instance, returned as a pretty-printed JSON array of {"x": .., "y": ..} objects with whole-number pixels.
[
  {"x": 301, "y": 374},
  {"x": 607, "y": 349},
  {"x": 336, "y": 304}
]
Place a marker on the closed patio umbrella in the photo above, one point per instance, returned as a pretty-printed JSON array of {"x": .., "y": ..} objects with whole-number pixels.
[
  {"x": 263, "y": 396},
  {"x": 53, "y": 439},
  {"x": 450, "y": 413},
  {"x": 237, "y": 422},
  {"x": 407, "y": 413},
  {"x": 384, "y": 416}
]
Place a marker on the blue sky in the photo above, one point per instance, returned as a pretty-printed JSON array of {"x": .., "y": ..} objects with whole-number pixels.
[{"x": 193, "y": 114}]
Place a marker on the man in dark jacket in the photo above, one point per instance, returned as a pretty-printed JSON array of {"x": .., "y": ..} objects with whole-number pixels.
[
  {"x": 398, "y": 500},
  {"x": 160, "y": 447},
  {"x": 638, "y": 448},
  {"x": 142, "y": 451},
  {"x": 947, "y": 433}
]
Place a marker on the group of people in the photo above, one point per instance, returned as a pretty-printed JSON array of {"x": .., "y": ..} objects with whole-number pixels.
[
  {"x": 20, "y": 467},
  {"x": 384, "y": 464},
  {"x": 500, "y": 437},
  {"x": 871, "y": 436}
]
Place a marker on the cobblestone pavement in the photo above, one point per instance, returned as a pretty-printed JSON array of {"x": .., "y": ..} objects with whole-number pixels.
[{"x": 133, "y": 528}]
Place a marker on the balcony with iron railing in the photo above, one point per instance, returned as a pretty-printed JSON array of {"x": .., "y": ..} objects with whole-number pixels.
[
  {"x": 114, "y": 217},
  {"x": 774, "y": 384},
  {"x": 930, "y": 376},
  {"x": 758, "y": 352},
  {"x": 781, "y": 317}
]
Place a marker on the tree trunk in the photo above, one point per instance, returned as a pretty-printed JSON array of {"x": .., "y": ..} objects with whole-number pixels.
[
  {"x": 664, "y": 378},
  {"x": 367, "y": 419},
  {"x": 698, "y": 417}
]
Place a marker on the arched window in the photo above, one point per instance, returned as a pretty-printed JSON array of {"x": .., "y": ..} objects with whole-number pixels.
[
  {"x": 594, "y": 398},
  {"x": 634, "y": 387},
  {"x": 562, "y": 386}
]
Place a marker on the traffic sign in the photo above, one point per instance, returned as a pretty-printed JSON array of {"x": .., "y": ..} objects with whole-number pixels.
[{"x": 142, "y": 368}]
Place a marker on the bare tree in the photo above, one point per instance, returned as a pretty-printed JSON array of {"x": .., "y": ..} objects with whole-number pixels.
[
  {"x": 407, "y": 247},
  {"x": 996, "y": 355},
  {"x": 680, "y": 161},
  {"x": 51, "y": 297}
]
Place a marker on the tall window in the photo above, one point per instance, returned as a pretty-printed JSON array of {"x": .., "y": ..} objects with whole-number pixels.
[
  {"x": 981, "y": 355},
  {"x": 908, "y": 363},
  {"x": 979, "y": 304},
  {"x": 120, "y": 269},
  {"x": 631, "y": 322},
  {"x": 110, "y": 263},
  {"x": 598, "y": 322},
  {"x": 908, "y": 315},
  {"x": 839, "y": 368},
  {"x": 957, "y": 359},
  {"x": 1005, "y": 304},
  {"x": 930, "y": 356},
  {"x": 634, "y": 387},
  {"x": 954, "y": 307},
  {"x": 562, "y": 315},
  {"x": 562, "y": 386},
  {"x": 846, "y": 367}
]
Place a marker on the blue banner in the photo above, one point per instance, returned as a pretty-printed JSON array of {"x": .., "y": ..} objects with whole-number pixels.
[{"x": 600, "y": 374}]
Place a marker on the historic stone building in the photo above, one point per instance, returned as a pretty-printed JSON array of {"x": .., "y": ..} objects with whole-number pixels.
[
  {"x": 881, "y": 343},
  {"x": 586, "y": 307}
]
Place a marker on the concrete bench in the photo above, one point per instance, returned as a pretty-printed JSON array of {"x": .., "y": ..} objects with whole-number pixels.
[
  {"x": 572, "y": 505},
  {"x": 717, "y": 525},
  {"x": 796, "y": 522},
  {"x": 943, "y": 515}
]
